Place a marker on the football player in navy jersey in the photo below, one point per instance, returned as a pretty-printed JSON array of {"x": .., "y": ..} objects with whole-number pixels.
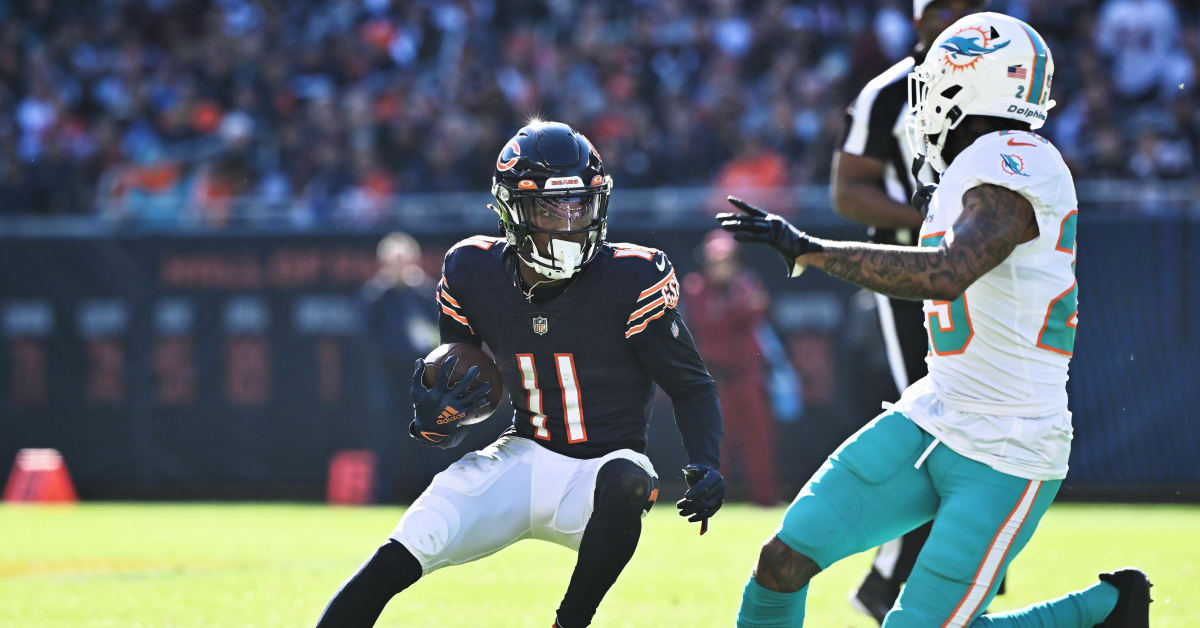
[{"x": 581, "y": 330}]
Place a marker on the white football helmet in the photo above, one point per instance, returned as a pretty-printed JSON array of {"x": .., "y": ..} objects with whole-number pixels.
[{"x": 985, "y": 64}]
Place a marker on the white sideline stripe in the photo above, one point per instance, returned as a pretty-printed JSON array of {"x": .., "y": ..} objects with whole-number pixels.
[
  {"x": 891, "y": 342},
  {"x": 990, "y": 566}
]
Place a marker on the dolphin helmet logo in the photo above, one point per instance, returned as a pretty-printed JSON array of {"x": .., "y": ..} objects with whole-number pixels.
[
  {"x": 968, "y": 45},
  {"x": 1013, "y": 164}
]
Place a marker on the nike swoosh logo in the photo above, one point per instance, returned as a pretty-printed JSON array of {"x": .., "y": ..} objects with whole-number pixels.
[
  {"x": 661, "y": 263},
  {"x": 1014, "y": 142}
]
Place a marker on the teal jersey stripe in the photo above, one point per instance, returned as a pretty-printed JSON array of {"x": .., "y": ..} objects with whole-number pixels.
[{"x": 1039, "y": 67}]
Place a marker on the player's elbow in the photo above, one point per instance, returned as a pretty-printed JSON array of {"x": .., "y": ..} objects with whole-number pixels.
[
  {"x": 701, "y": 387},
  {"x": 701, "y": 390},
  {"x": 945, "y": 293},
  {"x": 950, "y": 288},
  {"x": 952, "y": 274}
]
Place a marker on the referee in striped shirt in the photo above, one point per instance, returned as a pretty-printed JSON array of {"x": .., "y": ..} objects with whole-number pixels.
[{"x": 872, "y": 184}]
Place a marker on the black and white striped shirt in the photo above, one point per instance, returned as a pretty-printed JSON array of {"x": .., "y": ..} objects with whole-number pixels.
[{"x": 875, "y": 128}]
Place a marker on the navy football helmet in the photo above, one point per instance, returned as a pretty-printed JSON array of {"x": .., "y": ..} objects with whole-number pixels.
[{"x": 549, "y": 179}]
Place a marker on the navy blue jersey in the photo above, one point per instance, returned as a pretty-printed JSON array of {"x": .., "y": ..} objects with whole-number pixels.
[{"x": 580, "y": 367}]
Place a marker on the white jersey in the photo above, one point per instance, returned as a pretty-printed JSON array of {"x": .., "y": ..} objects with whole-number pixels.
[{"x": 996, "y": 389}]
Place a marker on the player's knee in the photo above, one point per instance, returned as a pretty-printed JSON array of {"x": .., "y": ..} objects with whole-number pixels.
[
  {"x": 622, "y": 488},
  {"x": 430, "y": 526},
  {"x": 783, "y": 569}
]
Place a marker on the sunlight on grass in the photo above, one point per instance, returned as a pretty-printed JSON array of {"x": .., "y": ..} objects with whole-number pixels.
[{"x": 277, "y": 565}]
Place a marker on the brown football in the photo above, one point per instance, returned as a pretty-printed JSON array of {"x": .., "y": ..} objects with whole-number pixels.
[{"x": 468, "y": 355}]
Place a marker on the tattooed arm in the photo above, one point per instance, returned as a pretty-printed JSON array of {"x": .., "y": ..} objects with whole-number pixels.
[{"x": 993, "y": 222}]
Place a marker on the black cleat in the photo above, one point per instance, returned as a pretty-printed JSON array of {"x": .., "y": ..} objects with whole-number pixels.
[
  {"x": 875, "y": 596},
  {"x": 1133, "y": 605}
]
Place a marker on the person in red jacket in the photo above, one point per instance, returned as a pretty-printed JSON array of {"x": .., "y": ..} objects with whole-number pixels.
[{"x": 726, "y": 304}]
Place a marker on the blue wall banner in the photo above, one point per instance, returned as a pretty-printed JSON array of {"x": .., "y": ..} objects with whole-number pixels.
[{"x": 234, "y": 366}]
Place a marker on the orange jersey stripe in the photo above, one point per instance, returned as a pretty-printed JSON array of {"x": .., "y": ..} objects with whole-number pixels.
[
  {"x": 651, "y": 306},
  {"x": 658, "y": 286},
  {"x": 456, "y": 316},
  {"x": 450, "y": 299},
  {"x": 642, "y": 326}
]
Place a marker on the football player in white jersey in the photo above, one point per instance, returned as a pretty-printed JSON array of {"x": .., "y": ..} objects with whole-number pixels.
[{"x": 980, "y": 445}]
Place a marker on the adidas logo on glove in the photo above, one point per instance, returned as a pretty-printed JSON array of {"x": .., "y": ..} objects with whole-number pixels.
[{"x": 450, "y": 415}]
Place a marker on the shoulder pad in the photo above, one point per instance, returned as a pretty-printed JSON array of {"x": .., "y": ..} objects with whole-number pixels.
[
  {"x": 478, "y": 241},
  {"x": 467, "y": 249},
  {"x": 1021, "y": 161},
  {"x": 458, "y": 271},
  {"x": 625, "y": 249},
  {"x": 657, "y": 287},
  {"x": 1029, "y": 154}
]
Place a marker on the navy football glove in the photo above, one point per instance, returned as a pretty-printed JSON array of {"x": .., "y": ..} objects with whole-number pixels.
[
  {"x": 773, "y": 230},
  {"x": 705, "y": 494},
  {"x": 437, "y": 410}
]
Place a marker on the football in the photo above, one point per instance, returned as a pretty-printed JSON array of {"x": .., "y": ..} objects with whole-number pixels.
[{"x": 468, "y": 355}]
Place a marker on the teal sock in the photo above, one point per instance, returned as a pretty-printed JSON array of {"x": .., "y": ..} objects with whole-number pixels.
[
  {"x": 1082, "y": 609},
  {"x": 764, "y": 608}
]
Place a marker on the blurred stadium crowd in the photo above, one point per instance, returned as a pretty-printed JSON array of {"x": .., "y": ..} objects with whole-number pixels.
[{"x": 153, "y": 108}]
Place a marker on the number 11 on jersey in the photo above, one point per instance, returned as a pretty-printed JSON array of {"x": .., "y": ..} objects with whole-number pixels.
[
  {"x": 529, "y": 383},
  {"x": 572, "y": 401}
]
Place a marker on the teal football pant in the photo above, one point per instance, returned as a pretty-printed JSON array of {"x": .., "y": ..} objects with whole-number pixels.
[{"x": 891, "y": 477}]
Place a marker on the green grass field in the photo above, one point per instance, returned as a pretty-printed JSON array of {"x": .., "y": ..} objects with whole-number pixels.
[{"x": 276, "y": 565}]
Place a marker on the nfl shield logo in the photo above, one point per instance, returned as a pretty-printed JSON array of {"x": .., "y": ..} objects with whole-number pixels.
[{"x": 540, "y": 325}]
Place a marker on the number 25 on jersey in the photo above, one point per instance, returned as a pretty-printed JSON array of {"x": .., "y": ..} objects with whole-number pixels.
[
  {"x": 950, "y": 329},
  {"x": 1062, "y": 315}
]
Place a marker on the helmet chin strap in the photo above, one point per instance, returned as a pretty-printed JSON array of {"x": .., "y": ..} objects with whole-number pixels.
[{"x": 933, "y": 150}]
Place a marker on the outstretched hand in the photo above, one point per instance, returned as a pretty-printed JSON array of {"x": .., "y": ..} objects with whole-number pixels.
[{"x": 758, "y": 226}]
